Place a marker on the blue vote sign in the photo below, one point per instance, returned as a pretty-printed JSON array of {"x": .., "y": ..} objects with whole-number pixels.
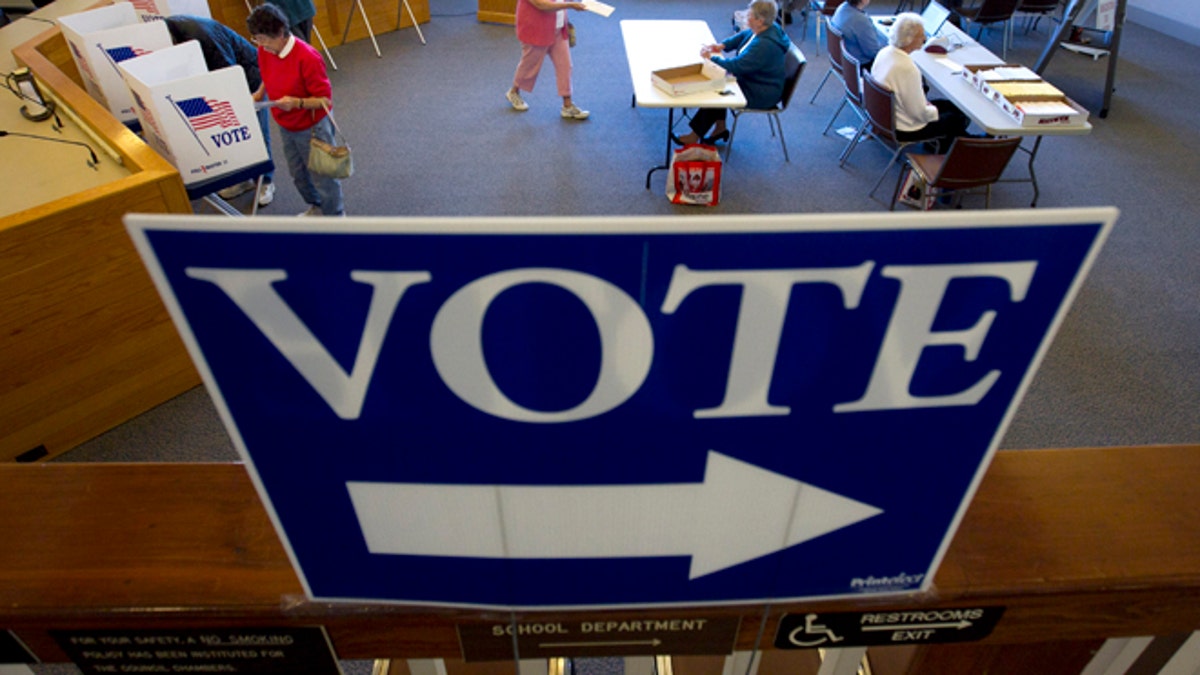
[{"x": 597, "y": 412}]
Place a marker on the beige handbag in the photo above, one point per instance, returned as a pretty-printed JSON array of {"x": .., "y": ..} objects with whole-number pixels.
[{"x": 328, "y": 159}]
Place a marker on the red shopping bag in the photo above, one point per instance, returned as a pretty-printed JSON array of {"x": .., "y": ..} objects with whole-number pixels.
[{"x": 695, "y": 176}]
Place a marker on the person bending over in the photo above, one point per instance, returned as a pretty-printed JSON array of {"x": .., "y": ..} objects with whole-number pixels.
[
  {"x": 917, "y": 119},
  {"x": 760, "y": 53}
]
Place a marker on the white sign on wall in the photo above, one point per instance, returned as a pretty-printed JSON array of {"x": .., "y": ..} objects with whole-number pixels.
[
  {"x": 202, "y": 122},
  {"x": 99, "y": 40}
]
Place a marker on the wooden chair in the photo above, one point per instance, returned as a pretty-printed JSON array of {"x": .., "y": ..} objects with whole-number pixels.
[
  {"x": 833, "y": 46},
  {"x": 880, "y": 106},
  {"x": 852, "y": 96},
  {"x": 794, "y": 63},
  {"x": 989, "y": 12},
  {"x": 971, "y": 163}
]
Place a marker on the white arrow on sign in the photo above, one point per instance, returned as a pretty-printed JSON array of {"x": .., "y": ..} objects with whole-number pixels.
[{"x": 738, "y": 513}]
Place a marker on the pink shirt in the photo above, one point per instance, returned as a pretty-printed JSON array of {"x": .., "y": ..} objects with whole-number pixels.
[{"x": 538, "y": 28}]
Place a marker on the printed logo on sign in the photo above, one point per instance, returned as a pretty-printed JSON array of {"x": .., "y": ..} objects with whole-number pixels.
[
  {"x": 83, "y": 63},
  {"x": 877, "y": 584},
  {"x": 147, "y": 9},
  {"x": 155, "y": 135},
  {"x": 124, "y": 53},
  {"x": 212, "y": 119},
  {"x": 206, "y": 113}
]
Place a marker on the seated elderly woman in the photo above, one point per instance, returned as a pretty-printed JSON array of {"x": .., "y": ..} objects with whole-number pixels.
[
  {"x": 917, "y": 119},
  {"x": 758, "y": 65}
]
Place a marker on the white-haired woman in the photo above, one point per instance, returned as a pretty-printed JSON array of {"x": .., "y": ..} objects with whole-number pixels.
[
  {"x": 758, "y": 66},
  {"x": 917, "y": 119}
]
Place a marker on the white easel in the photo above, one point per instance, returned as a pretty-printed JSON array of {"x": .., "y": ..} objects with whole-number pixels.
[{"x": 358, "y": 4}]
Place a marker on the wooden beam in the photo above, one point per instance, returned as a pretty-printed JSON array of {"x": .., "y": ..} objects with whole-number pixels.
[{"x": 1078, "y": 545}]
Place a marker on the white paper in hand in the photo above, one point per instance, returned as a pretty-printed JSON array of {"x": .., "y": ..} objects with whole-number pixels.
[{"x": 598, "y": 7}]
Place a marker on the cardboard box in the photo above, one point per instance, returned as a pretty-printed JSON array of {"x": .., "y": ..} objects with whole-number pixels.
[
  {"x": 1032, "y": 119},
  {"x": 689, "y": 79},
  {"x": 1013, "y": 108}
]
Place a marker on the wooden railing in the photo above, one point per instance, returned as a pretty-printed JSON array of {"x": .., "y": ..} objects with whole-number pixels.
[{"x": 1078, "y": 545}]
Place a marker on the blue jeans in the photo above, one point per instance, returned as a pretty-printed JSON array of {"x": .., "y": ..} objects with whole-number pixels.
[
  {"x": 264, "y": 124},
  {"x": 316, "y": 190}
]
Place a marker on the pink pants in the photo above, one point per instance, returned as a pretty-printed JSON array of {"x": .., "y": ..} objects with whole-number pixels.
[{"x": 531, "y": 64}]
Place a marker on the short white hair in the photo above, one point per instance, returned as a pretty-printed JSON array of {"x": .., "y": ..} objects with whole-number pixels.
[
  {"x": 765, "y": 10},
  {"x": 907, "y": 27}
]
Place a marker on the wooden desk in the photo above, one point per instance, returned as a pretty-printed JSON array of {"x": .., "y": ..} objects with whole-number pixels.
[
  {"x": 85, "y": 342},
  {"x": 653, "y": 45},
  {"x": 941, "y": 72}
]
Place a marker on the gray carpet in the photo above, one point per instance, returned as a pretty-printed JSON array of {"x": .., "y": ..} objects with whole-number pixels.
[{"x": 433, "y": 135}]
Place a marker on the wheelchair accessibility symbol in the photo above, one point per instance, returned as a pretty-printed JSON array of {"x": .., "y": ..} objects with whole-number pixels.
[{"x": 812, "y": 634}]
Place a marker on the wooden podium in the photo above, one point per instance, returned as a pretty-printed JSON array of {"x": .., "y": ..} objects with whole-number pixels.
[{"x": 497, "y": 11}]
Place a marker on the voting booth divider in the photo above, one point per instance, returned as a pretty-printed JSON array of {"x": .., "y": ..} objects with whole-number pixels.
[
  {"x": 202, "y": 122},
  {"x": 156, "y": 10},
  {"x": 99, "y": 40}
]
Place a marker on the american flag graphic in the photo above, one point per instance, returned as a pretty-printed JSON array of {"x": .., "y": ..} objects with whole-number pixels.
[
  {"x": 206, "y": 113},
  {"x": 146, "y": 6},
  {"x": 120, "y": 54}
]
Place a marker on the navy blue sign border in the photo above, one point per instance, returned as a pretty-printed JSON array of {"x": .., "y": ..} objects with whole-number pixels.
[{"x": 292, "y": 456}]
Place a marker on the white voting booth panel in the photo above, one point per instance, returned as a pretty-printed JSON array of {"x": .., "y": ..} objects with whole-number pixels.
[
  {"x": 155, "y": 10},
  {"x": 102, "y": 38},
  {"x": 202, "y": 122}
]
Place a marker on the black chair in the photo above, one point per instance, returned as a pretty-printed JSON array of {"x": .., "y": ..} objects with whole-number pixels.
[
  {"x": 794, "y": 64},
  {"x": 987, "y": 13},
  {"x": 971, "y": 163},
  {"x": 880, "y": 105},
  {"x": 1034, "y": 10},
  {"x": 833, "y": 44}
]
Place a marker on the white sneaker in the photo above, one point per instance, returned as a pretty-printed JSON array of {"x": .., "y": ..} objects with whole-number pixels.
[
  {"x": 572, "y": 112},
  {"x": 266, "y": 194},
  {"x": 236, "y": 190},
  {"x": 515, "y": 100},
  {"x": 312, "y": 210}
]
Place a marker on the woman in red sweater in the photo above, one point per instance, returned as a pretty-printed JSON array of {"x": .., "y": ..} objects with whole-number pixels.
[{"x": 295, "y": 81}]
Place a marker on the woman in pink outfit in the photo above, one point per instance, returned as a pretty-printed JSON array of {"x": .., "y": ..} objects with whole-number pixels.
[{"x": 542, "y": 30}]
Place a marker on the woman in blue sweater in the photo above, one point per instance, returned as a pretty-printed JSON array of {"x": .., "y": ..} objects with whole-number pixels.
[{"x": 758, "y": 64}]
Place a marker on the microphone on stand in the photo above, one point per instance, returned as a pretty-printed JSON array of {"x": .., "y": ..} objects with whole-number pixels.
[
  {"x": 23, "y": 85},
  {"x": 95, "y": 161}
]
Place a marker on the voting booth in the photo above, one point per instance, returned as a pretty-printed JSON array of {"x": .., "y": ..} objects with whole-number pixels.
[
  {"x": 155, "y": 10},
  {"x": 202, "y": 122},
  {"x": 102, "y": 38}
]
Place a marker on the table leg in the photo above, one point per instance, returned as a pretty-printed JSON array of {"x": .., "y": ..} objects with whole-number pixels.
[
  {"x": 667, "y": 159},
  {"x": 1037, "y": 142}
]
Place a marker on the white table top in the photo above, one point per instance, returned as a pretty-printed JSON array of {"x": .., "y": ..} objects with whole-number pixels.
[
  {"x": 941, "y": 72},
  {"x": 653, "y": 45}
]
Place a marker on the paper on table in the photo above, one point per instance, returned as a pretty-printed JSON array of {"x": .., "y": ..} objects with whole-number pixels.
[
  {"x": 952, "y": 66},
  {"x": 598, "y": 7}
]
